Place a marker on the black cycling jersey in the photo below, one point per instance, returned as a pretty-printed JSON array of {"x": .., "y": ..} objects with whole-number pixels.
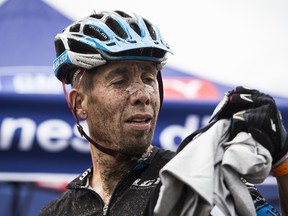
[
  {"x": 135, "y": 195},
  {"x": 129, "y": 198}
]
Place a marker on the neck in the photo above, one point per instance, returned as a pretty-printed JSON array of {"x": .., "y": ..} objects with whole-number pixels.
[{"x": 107, "y": 172}]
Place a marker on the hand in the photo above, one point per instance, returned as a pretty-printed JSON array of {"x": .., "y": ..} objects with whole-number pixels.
[
  {"x": 266, "y": 126},
  {"x": 238, "y": 99},
  {"x": 256, "y": 113}
]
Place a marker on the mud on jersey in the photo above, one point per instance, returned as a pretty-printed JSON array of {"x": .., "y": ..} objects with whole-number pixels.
[{"x": 129, "y": 198}]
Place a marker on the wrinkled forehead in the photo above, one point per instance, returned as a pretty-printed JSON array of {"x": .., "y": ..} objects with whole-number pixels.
[
  {"x": 126, "y": 67},
  {"x": 132, "y": 66}
]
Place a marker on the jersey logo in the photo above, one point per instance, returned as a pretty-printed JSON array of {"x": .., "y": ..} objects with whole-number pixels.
[
  {"x": 145, "y": 183},
  {"x": 85, "y": 174}
]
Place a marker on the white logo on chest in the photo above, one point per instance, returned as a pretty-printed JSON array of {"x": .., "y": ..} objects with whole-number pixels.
[{"x": 146, "y": 183}]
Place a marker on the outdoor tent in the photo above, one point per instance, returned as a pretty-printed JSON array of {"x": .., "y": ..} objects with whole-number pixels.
[
  {"x": 37, "y": 131},
  {"x": 36, "y": 124}
]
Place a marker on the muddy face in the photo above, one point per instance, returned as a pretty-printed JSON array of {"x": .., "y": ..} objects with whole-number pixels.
[{"x": 123, "y": 105}]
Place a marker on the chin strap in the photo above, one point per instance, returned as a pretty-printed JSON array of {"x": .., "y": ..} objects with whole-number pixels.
[{"x": 116, "y": 154}]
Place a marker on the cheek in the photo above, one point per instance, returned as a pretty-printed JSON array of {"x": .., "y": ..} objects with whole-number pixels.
[
  {"x": 156, "y": 100},
  {"x": 106, "y": 107},
  {"x": 115, "y": 99}
]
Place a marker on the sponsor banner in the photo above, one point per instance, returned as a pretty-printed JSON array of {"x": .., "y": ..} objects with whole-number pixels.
[
  {"x": 37, "y": 135},
  {"x": 28, "y": 80},
  {"x": 38, "y": 132},
  {"x": 40, "y": 80}
]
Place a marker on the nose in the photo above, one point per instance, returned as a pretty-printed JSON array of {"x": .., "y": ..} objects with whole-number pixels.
[{"x": 140, "y": 94}]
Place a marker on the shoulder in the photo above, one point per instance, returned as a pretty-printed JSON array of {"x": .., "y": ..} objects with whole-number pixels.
[
  {"x": 162, "y": 154},
  {"x": 54, "y": 207},
  {"x": 65, "y": 201},
  {"x": 160, "y": 157}
]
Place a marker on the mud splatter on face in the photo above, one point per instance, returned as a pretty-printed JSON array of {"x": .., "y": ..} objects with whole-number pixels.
[
  {"x": 124, "y": 97},
  {"x": 147, "y": 88}
]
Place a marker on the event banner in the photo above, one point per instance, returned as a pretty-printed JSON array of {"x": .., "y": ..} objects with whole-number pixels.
[{"x": 38, "y": 132}]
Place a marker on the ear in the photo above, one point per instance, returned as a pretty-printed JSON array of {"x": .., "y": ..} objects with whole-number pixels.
[{"x": 76, "y": 99}]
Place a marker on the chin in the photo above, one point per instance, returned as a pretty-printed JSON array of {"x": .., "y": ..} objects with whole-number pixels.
[
  {"x": 136, "y": 145},
  {"x": 136, "y": 149}
]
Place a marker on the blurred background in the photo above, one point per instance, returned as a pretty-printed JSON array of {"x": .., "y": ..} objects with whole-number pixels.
[{"x": 217, "y": 45}]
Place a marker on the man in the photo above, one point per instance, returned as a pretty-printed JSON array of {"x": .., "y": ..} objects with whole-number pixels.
[{"x": 113, "y": 62}]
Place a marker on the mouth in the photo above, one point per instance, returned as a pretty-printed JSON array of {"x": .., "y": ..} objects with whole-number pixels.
[{"x": 139, "y": 122}]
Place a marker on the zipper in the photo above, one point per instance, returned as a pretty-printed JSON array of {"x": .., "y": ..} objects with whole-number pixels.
[{"x": 105, "y": 208}]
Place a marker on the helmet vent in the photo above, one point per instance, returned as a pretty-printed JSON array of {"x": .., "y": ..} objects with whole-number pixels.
[
  {"x": 116, "y": 28},
  {"x": 123, "y": 14},
  {"x": 148, "y": 52},
  {"x": 94, "y": 32},
  {"x": 75, "y": 28},
  {"x": 136, "y": 28},
  {"x": 97, "y": 16},
  {"x": 150, "y": 29},
  {"x": 79, "y": 47},
  {"x": 59, "y": 46},
  {"x": 111, "y": 44}
]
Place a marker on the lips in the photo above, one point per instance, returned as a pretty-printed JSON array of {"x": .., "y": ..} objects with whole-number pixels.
[
  {"x": 140, "y": 118},
  {"x": 139, "y": 121}
]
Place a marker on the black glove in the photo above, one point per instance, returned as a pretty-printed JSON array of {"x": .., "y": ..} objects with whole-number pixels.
[
  {"x": 238, "y": 99},
  {"x": 256, "y": 113}
]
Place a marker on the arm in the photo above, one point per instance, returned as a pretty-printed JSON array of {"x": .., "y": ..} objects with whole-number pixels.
[
  {"x": 257, "y": 113},
  {"x": 281, "y": 174},
  {"x": 283, "y": 193}
]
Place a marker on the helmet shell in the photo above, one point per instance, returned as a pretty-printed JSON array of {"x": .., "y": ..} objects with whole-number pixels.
[{"x": 107, "y": 36}]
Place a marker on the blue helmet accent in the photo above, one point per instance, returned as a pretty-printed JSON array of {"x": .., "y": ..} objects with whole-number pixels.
[{"x": 104, "y": 37}]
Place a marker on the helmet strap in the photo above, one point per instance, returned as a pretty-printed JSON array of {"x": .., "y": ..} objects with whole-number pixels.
[{"x": 117, "y": 155}]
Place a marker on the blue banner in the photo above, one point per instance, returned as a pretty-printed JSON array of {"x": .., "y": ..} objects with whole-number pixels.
[{"x": 38, "y": 132}]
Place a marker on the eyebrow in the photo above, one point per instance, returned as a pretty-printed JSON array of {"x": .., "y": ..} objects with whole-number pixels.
[
  {"x": 147, "y": 66},
  {"x": 151, "y": 68},
  {"x": 115, "y": 72}
]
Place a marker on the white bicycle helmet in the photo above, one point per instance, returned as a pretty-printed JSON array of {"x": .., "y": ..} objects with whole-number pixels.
[{"x": 104, "y": 37}]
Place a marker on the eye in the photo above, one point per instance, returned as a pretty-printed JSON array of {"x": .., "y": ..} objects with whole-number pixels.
[
  {"x": 149, "y": 79},
  {"x": 119, "y": 82}
]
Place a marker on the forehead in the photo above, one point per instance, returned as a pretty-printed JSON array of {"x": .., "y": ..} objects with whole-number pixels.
[{"x": 123, "y": 67}]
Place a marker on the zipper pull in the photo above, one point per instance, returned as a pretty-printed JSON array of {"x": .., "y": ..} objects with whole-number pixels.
[{"x": 105, "y": 208}]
